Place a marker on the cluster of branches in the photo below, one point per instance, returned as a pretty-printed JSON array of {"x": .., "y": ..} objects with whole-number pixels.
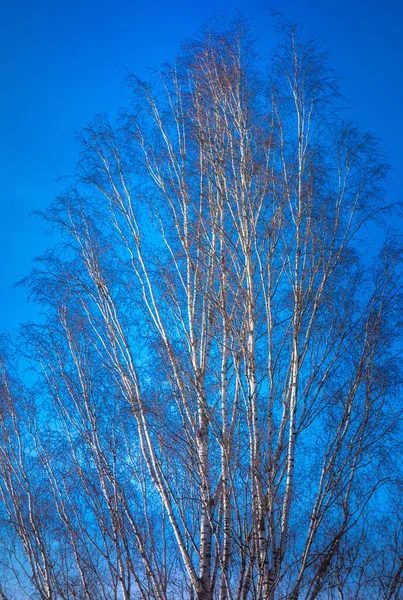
[{"x": 212, "y": 406}]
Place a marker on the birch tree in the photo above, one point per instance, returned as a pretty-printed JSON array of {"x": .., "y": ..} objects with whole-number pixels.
[{"x": 219, "y": 358}]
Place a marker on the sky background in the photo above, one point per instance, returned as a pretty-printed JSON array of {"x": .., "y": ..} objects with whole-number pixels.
[{"x": 61, "y": 63}]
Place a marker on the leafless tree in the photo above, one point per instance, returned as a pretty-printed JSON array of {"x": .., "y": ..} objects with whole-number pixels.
[{"x": 217, "y": 382}]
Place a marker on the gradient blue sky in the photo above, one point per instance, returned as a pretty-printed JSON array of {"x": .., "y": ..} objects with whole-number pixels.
[{"x": 59, "y": 66}]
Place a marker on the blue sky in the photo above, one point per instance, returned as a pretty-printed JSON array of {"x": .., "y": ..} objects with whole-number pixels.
[{"x": 59, "y": 66}]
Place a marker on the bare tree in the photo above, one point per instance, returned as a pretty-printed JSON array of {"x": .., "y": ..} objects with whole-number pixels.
[{"x": 219, "y": 358}]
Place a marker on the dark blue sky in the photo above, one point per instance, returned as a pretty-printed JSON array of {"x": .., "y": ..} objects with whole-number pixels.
[{"x": 59, "y": 66}]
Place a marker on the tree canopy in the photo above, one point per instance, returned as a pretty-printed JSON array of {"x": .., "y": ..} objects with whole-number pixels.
[{"x": 213, "y": 406}]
